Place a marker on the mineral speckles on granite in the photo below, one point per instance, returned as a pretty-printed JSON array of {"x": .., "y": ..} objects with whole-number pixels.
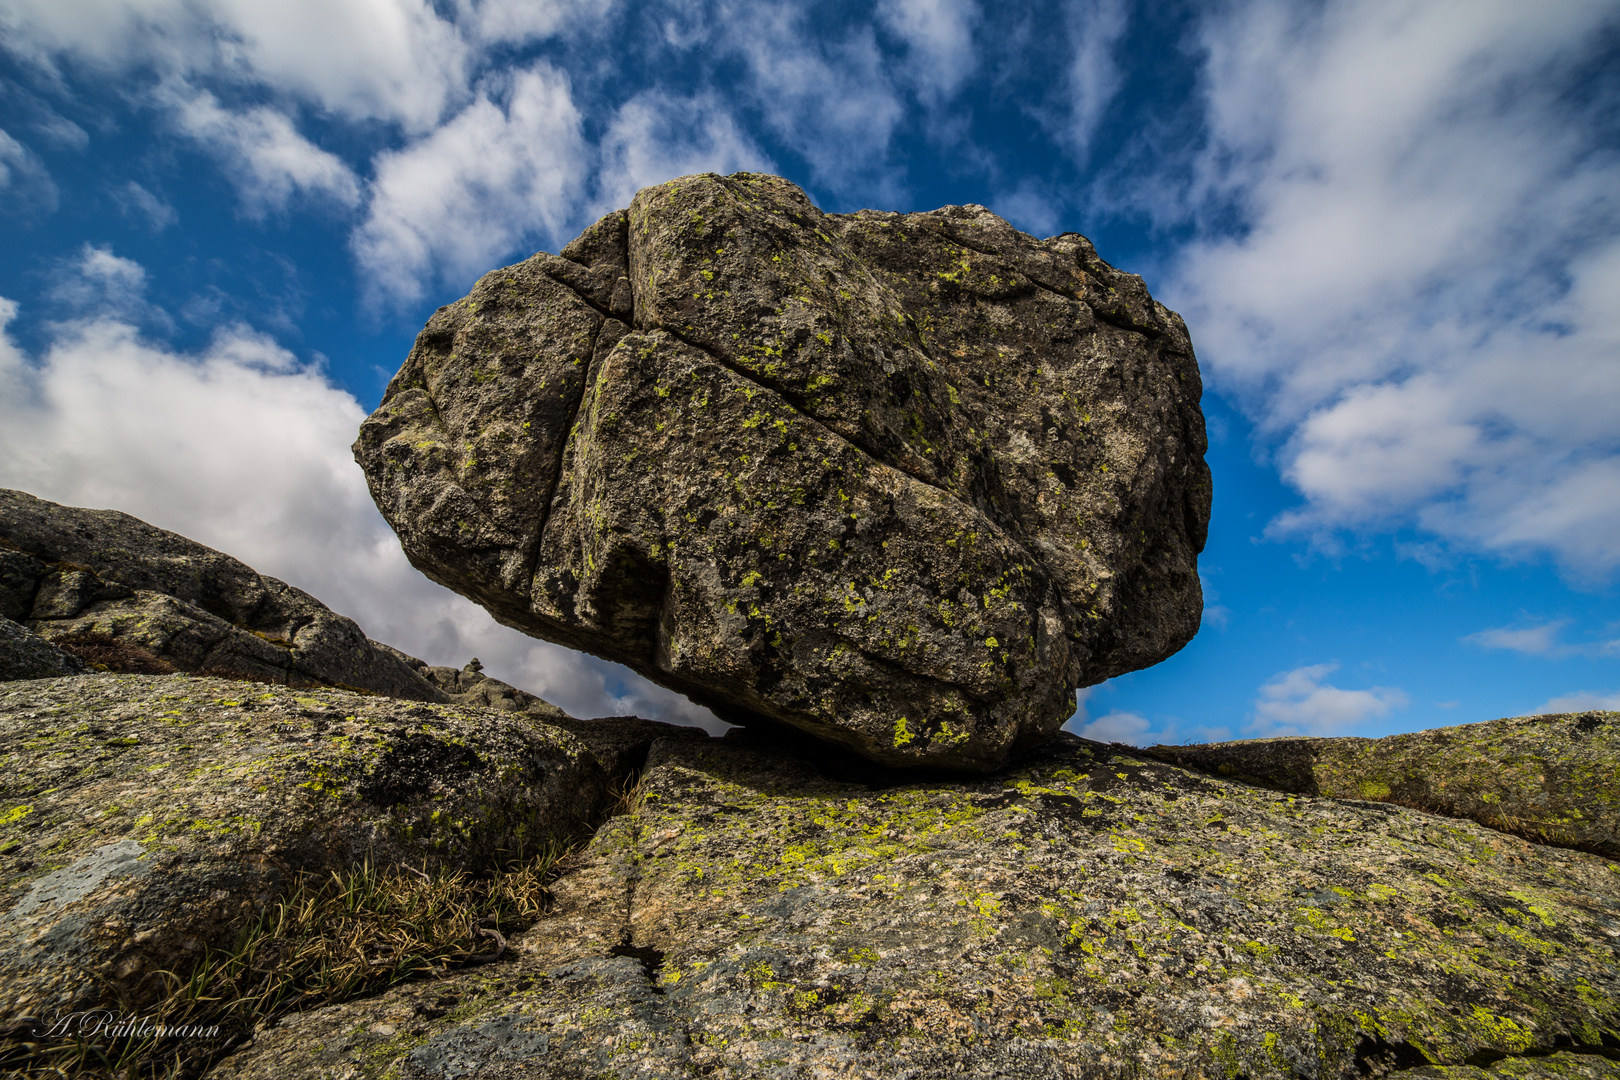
[
  {"x": 143, "y": 818},
  {"x": 902, "y": 482},
  {"x": 1090, "y": 913}
]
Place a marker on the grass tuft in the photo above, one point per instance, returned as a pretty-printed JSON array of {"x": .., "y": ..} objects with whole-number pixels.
[{"x": 326, "y": 940}]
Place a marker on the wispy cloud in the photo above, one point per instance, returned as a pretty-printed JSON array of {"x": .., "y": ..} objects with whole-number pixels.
[
  {"x": 1302, "y": 702},
  {"x": 1411, "y": 241},
  {"x": 938, "y": 36},
  {"x": 141, "y": 204},
  {"x": 827, "y": 97},
  {"x": 1540, "y": 638},
  {"x": 1580, "y": 701},
  {"x": 655, "y": 136},
  {"x": 1094, "y": 29},
  {"x": 263, "y": 153},
  {"x": 26, "y": 188}
]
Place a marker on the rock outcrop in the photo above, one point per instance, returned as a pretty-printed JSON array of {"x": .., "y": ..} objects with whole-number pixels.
[
  {"x": 26, "y": 655},
  {"x": 131, "y": 597},
  {"x": 1554, "y": 779},
  {"x": 902, "y": 482},
  {"x": 1090, "y": 912},
  {"x": 144, "y": 819}
]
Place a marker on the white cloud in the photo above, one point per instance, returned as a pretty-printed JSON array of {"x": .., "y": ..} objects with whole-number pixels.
[
  {"x": 938, "y": 35},
  {"x": 655, "y": 136},
  {"x": 241, "y": 447},
  {"x": 392, "y": 60},
  {"x": 1134, "y": 729},
  {"x": 1580, "y": 701},
  {"x": 1299, "y": 702},
  {"x": 1419, "y": 305},
  {"x": 143, "y": 205},
  {"x": 1095, "y": 28},
  {"x": 25, "y": 185},
  {"x": 1534, "y": 640},
  {"x": 494, "y": 177},
  {"x": 1123, "y": 727},
  {"x": 266, "y": 157}
]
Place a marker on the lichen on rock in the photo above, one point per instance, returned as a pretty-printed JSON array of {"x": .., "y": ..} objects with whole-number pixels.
[
  {"x": 1090, "y": 912},
  {"x": 145, "y": 819},
  {"x": 1553, "y": 779},
  {"x": 901, "y": 482}
]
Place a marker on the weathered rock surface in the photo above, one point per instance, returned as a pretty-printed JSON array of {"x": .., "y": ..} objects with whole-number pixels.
[
  {"x": 1089, "y": 913},
  {"x": 134, "y": 597},
  {"x": 903, "y": 482},
  {"x": 469, "y": 685},
  {"x": 144, "y": 818},
  {"x": 1554, "y": 779},
  {"x": 26, "y": 655}
]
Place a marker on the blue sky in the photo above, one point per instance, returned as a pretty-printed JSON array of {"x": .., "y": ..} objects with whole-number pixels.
[{"x": 1393, "y": 229}]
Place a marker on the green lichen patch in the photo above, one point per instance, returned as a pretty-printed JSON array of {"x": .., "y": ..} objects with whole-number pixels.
[{"x": 1552, "y": 779}]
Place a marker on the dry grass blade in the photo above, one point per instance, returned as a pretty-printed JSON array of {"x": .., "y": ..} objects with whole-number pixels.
[{"x": 324, "y": 941}]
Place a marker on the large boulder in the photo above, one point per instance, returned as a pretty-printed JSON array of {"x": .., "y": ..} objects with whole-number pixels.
[
  {"x": 1089, "y": 913},
  {"x": 131, "y": 597},
  {"x": 900, "y": 481},
  {"x": 145, "y": 819}
]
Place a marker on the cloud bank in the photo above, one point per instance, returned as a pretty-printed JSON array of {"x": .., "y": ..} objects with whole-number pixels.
[{"x": 241, "y": 447}]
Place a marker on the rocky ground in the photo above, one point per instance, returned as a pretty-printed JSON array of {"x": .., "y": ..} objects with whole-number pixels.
[{"x": 766, "y": 909}]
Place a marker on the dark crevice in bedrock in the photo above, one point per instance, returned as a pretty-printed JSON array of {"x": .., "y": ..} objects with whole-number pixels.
[{"x": 1609, "y": 1048}]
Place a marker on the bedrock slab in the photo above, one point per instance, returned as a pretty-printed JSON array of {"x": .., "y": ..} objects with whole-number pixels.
[
  {"x": 1089, "y": 913},
  {"x": 132, "y": 597},
  {"x": 903, "y": 482},
  {"x": 145, "y": 819},
  {"x": 1553, "y": 778}
]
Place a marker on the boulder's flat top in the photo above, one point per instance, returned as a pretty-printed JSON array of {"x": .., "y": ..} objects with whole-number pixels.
[{"x": 1089, "y": 913}]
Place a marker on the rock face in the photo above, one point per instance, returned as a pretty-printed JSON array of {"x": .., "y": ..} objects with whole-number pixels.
[
  {"x": 143, "y": 819},
  {"x": 132, "y": 597},
  {"x": 26, "y": 655},
  {"x": 1088, "y": 913},
  {"x": 903, "y": 482},
  {"x": 1554, "y": 779}
]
